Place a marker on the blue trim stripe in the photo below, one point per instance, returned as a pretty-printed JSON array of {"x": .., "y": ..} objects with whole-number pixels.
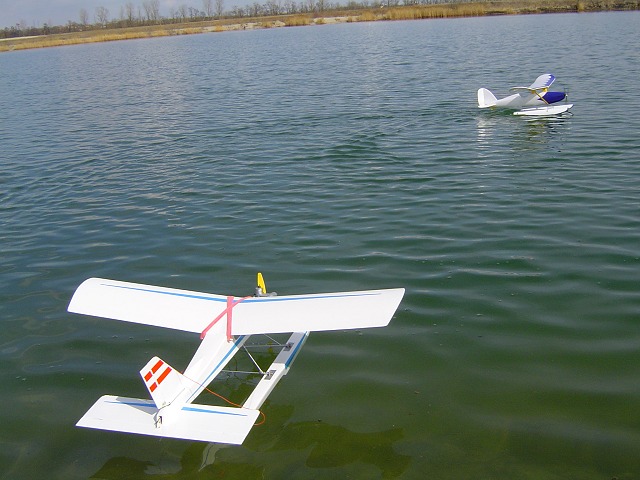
[
  {"x": 134, "y": 404},
  {"x": 305, "y": 297},
  {"x": 248, "y": 300},
  {"x": 223, "y": 361},
  {"x": 294, "y": 354},
  {"x": 204, "y": 410},
  {"x": 175, "y": 294},
  {"x": 187, "y": 408}
]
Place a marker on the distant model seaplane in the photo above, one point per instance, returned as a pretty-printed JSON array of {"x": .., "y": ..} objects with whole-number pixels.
[
  {"x": 536, "y": 99},
  {"x": 224, "y": 324}
]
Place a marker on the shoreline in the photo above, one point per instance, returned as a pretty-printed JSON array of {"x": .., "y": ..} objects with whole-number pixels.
[{"x": 413, "y": 12}]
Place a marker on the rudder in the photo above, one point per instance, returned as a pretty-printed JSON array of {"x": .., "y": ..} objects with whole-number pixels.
[
  {"x": 163, "y": 381},
  {"x": 486, "y": 98}
]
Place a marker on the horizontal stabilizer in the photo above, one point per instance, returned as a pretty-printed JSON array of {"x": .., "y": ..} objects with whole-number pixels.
[
  {"x": 202, "y": 423},
  {"x": 195, "y": 311}
]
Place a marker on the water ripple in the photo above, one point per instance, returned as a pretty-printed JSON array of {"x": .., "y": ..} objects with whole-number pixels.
[{"x": 335, "y": 158}]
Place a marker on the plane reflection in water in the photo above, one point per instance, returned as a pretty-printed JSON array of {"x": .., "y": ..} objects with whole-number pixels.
[{"x": 325, "y": 446}]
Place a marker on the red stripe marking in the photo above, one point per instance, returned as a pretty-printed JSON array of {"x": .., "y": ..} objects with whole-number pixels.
[
  {"x": 148, "y": 376},
  {"x": 166, "y": 372},
  {"x": 157, "y": 366},
  {"x": 153, "y": 387}
]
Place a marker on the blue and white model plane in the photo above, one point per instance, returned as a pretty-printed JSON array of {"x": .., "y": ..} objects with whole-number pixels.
[
  {"x": 534, "y": 100},
  {"x": 224, "y": 324}
]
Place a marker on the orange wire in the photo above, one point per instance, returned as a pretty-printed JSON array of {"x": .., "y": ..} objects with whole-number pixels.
[{"x": 264, "y": 417}]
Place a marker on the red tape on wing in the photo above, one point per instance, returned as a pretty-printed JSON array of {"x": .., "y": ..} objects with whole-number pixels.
[{"x": 227, "y": 312}]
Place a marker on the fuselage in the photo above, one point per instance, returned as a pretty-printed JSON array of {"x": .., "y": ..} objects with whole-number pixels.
[{"x": 527, "y": 99}]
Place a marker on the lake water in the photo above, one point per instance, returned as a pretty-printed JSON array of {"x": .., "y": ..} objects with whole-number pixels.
[{"x": 333, "y": 158}]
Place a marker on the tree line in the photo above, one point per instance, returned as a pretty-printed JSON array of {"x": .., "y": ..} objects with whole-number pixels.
[{"x": 148, "y": 13}]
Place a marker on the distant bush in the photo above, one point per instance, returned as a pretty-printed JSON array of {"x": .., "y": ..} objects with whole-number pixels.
[{"x": 297, "y": 20}]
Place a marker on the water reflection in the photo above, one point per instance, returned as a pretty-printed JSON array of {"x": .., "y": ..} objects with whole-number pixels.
[
  {"x": 197, "y": 462},
  {"x": 543, "y": 131},
  {"x": 524, "y": 133},
  {"x": 335, "y": 446},
  {"x": 328, "y": 446}
]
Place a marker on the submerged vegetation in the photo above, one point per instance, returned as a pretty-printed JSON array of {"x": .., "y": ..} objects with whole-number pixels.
[{"x": 316, "y": 14}]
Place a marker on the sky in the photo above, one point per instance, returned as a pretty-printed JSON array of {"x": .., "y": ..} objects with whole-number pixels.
[{"x": 59, "y": 12}]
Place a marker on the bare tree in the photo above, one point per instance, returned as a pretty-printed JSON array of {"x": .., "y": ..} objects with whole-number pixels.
[
  {"x": 219, "y": 8},
  {"x": 129, "y": 13},
  {"x": 22, "y": 27},
  {"x": 273, "y": 7},
  {"x": 102, "y": 16},
  {"x": 207, "y": 8},
  {"x": 84, "y": 17},
  {"x": 290, "y": 7},
  {"x": 152, "y": 10},
  {"x": 238, "y": 12},
  {"x": 254, "y": 10},
  {"x": 156, "y": 9},
  {"x": 183, "y": 12}
]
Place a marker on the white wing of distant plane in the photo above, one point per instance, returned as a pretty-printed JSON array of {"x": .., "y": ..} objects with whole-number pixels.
[{"x": 541, "y": 83}]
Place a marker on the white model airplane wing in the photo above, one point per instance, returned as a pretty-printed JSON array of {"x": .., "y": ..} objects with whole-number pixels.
[
  {"x": 195, "y": 311},
  {"x": 319, "y": 312},
  {"x": 146, "y": 304},
  {"x": 544, "y": 81}
]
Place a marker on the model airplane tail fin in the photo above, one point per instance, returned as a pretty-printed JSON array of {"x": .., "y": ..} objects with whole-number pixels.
[
  {"x": 486, "y": 98},
  {"x": 163, "y": 381}
]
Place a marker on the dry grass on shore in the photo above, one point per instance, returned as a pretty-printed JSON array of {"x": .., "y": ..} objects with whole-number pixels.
[
  {"x": 420, "y": 12},
  {"x": 91, "y": 37},
  {"x": 413, "y": 12},
  {"x": 298, "y": 20}
]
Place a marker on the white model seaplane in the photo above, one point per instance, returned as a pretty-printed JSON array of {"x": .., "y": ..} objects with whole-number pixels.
[
  {"x": 536, "y": 99},
  {"x": 224, "y": 324}
]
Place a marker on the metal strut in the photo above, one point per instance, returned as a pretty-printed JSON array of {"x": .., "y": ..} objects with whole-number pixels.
[{"x": 254, "y": 361}]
